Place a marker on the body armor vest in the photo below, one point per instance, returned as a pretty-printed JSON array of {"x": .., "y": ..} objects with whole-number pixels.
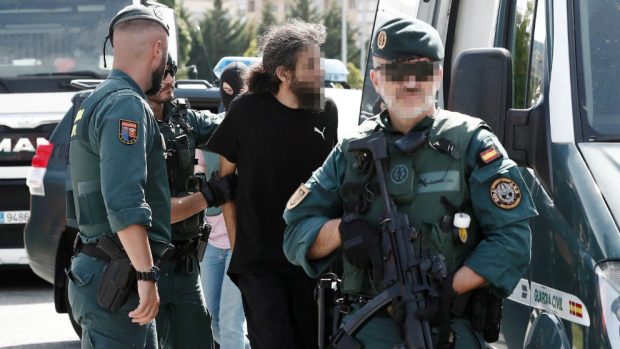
[
  {"x": 180, "y": 161},
  {"x": 429, "y": 185},
  {"x": 87, "y": 202}
]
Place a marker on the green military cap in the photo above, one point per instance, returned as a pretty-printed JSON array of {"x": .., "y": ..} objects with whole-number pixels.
[
  {"x": 132, "y": 12},
  {"x": 403, "y": 38}
]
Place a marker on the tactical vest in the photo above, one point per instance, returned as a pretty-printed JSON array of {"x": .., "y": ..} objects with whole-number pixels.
[
  {"x": 429, "y": 185},
  {"x": 87, "y": 202},
  {"x": 180, "y": 161}
]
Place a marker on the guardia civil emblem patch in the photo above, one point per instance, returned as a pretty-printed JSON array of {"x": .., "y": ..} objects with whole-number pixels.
[
  {"x": 298, "y": 196},
  {"x": 505, "y": 193},
  {"x": 128, "y": 131},
  {"x": 381, "y": 40},
  {"x": 399, "y": 174}
]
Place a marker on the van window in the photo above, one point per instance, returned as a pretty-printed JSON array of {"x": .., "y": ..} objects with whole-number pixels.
[
  {"x": 520, "y": 45},
  {"x": 537, "y": 58},
  {"x": 47, "y": 37},
  {"x": 598, "y": 67}
]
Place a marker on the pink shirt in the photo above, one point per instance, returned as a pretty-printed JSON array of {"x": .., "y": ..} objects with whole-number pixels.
[{"x": 219, "y": 235}]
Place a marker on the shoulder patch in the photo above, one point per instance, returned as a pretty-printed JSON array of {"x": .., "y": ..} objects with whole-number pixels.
[
  {"x": 298, "y": 196},
  {"x": 127, "y": 131},
  {"x": 505, "y": 193},
  {"x": 489, "y": 155}
]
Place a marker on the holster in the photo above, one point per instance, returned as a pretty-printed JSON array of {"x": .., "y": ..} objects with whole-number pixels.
[
  {"x": 118, "y": 277},
  {"x": 486, "y": 313}
]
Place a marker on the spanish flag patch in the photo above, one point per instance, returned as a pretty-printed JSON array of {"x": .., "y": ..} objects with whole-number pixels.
[{"x": 489, "y": 155}]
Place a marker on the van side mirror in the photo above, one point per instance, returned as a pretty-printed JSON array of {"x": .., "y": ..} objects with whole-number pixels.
[{"x": 481, "y": 86}]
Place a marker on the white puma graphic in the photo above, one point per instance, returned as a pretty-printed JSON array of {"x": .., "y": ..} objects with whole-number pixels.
[{"x": 322, "y": 133}]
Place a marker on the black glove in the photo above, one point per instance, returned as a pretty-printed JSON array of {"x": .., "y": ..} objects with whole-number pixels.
[
  {"x": 220, "y": 190},
  {"x": 361, "y": 245}
]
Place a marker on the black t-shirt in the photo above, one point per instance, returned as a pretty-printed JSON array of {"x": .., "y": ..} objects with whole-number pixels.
[{"x": 276, "y": 148}]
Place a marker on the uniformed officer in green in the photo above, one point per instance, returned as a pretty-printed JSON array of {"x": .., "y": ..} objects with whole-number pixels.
[
  {"x": 121, "y": 196},
  {"x": 183, "y": 320},
  {"x": 447, "y": 171}
]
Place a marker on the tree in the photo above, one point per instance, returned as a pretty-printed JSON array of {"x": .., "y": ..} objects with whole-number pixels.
[
  {"x": 252, "y": 50},
  {"x": 267, "y": 18},
  {"x": 333, "y": 42},
  {"x": 355, "y": 78},
  {"x": 304, "y": 10},
  {"x": 221, "y": 35},
  {"x": 185, "y": 31}
]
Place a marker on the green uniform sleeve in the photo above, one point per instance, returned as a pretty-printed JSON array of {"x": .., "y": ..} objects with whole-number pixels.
[
  {"x": 305, "y": 220},
  {"x": 205, "y": 123},
  {"x": 504, "y": 252},
  {"x": 122, "y": 153}
]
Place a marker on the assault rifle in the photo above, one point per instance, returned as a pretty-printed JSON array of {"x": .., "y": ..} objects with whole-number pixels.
[{"x": 408, "y": 280}]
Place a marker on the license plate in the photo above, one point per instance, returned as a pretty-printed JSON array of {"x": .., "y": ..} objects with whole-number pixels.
[{"x": 14, "y": 217}]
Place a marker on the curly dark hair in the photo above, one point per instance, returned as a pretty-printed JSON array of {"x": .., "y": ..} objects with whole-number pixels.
[{"x": 280, "y": 46}]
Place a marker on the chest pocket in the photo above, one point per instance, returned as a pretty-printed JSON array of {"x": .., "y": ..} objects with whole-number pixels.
[{"x": 401, "y": 179}]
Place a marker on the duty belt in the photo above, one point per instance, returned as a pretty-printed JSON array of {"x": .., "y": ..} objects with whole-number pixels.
[
  {"x": 184, "y": 249},
  {"x": 91, "y": 250}
]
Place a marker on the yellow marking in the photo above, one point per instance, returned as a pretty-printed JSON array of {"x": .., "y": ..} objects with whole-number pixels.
[
  {"x": 463, "y": 235},
  {"x": 79, "y": 115},
  {"x": 74, "y": 130}
]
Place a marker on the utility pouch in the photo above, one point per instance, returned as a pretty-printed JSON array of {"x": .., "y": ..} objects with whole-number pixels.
[
  {"x": 486, "y": 313},
  {"x": 203, "y": 240},
  {"x": 118, "y": 277},
  {"x": 184, "y": 155}
]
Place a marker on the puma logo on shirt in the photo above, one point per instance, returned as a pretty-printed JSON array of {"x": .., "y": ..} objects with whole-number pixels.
[{"x": 322, "y": 133}]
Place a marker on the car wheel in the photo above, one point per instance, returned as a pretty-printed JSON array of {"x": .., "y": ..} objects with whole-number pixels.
[{"x": 76, "y": 326}]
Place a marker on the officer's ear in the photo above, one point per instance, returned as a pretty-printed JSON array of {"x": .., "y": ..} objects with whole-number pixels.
[
  {"x": 283, "y": 74},
  {"x": 374, "y": 78}
]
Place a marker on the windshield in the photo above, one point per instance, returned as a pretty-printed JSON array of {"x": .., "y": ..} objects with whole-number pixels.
[
  {"x": 43, "y": 36},
  {"x": 598, "y": 58}
]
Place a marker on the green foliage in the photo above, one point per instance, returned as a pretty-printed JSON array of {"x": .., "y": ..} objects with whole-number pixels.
[
  {"x": 252, "y": 50},
  {"x": 267, "y": 18},
  {"x": 222, "y": 36},
  {"x": 355, "y": 78},
  {"x": 333, "y": 42},
  {"x": 304, "y": 10},
  {"x": 184, "y": 28}
]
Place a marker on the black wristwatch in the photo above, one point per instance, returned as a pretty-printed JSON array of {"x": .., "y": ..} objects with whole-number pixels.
[{"x": 152, "y": 275}]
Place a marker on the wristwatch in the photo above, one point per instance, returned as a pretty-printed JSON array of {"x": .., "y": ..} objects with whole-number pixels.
[{"x": 152, "y": 275}]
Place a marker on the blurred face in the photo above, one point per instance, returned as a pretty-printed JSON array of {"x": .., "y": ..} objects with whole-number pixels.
[
  {"x": 408, "y": 88},
  {"x": 166, "y": 93},
  {"x": 307, "y": 80}
]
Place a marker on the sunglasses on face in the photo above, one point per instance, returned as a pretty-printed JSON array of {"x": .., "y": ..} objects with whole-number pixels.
[
  {"x": 400, "y": 71},
  {"x": 170, "y": 69}
]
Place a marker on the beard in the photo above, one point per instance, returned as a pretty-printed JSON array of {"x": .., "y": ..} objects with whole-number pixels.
[
  {"x": 159, "y": 97},
  {"x": 310, "y": 97},
  {"x": 157, "y": 76},
  {"x": 408, "y": 111}
]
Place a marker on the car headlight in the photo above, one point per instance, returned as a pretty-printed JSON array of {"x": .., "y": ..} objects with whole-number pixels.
[{"x": 608, "y": 276}]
